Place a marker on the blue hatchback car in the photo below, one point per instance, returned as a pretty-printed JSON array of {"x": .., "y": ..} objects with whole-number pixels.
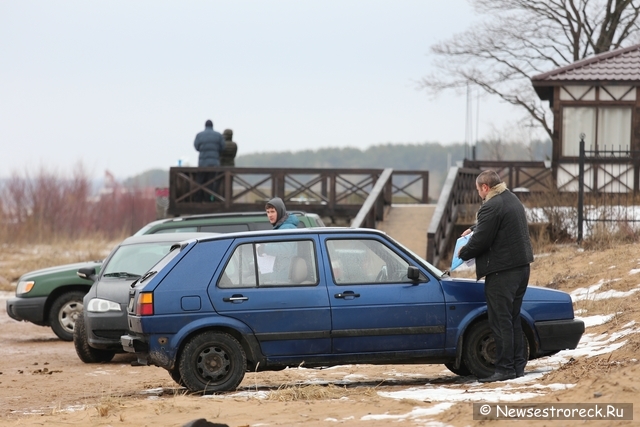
[{"x": 216, "y": 307}]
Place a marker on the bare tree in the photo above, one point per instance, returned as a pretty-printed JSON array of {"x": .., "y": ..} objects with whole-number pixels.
[{"x": 522, "y": 38}]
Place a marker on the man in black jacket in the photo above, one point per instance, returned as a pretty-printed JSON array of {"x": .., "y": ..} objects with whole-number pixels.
[{"x": 502, "y": 248}]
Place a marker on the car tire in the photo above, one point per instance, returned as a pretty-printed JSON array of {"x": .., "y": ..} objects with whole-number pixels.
[
  {"x": 64, "y": 312},
  {"x": 212, "y": 362},
  {"x": 461, "y": 370},
  {"x": 85, "y": 352},
  {"x": 479, "y": 350},
  {"x": 175, "y": 375}
]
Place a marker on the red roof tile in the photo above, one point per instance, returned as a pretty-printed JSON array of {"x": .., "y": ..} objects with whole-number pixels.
[{"x": 620, "y": 65}]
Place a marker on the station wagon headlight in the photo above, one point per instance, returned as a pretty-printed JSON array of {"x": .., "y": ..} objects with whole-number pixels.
[
  {"x": 98, "y": 305},
  {"x": 24, "y": 286}
]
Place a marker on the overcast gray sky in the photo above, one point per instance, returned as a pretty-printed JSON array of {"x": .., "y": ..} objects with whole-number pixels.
[{"x": 125, "y": 85}]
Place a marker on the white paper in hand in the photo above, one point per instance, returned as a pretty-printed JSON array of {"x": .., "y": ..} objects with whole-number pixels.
[{"x": 456, "y": 261}]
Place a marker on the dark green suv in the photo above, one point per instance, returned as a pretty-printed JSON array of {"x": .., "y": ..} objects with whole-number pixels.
[
  {"x": 53, "y": 296},
  {"x": 224, "y": 223}
]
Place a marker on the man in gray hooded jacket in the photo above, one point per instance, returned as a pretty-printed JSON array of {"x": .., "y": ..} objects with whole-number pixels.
[
  {"x": 283, "y": 252},
  {"x": 278, "y": 216}
]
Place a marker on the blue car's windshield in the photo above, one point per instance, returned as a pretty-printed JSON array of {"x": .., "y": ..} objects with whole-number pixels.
[
  {"x": 436, "y": 271},
  {"x": 135, "y": 259}
]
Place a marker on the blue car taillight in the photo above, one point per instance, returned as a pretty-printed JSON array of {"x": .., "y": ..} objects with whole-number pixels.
[{"x": 145, "y": 304}]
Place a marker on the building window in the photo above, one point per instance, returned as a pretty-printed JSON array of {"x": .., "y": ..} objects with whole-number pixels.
[{"x": 603, "y": 127}]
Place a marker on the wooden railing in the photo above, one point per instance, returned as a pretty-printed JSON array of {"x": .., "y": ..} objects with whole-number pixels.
[
  {"x": 518, "y": 175},
  {"x": 334, "y": 193},
  {"x": 372, "y": 209},
  {"x": 459, "y": 200},
  {"x": 458, "y": 195}
]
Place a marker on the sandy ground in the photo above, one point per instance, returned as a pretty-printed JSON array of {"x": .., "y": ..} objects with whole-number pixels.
[{"x": 42, "y": 381}]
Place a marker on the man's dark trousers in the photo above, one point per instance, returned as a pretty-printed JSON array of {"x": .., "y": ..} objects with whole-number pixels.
[{"x": 504, "y": 291}]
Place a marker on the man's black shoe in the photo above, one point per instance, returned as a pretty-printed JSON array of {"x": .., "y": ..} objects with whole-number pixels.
[
  {"x": 519, "y": 374},
  {"x": 497, "y": 377}
]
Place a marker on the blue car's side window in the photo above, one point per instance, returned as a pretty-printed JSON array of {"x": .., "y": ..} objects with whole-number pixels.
[
  {"x": 279, "y": 263},
  {"x": 240, "y": 271},
  {"x": 286, "y": 263},
  {"x": 365, "y": 261}
]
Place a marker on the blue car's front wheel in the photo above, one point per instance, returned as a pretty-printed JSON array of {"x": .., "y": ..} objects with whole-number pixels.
[
  {"x": 212, "y": 362},
  {"x": 461, "y": 370},
  {"x": 479, "y": 350}
]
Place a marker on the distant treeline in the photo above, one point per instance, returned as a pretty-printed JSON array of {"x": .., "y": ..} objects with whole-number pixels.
[{"x": 434, "y": 157}]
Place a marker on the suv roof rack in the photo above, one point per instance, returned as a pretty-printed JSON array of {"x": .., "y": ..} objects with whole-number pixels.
[{"x": 227, "y": 214}]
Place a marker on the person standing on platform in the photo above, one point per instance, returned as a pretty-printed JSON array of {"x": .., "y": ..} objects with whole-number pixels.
[
  {"x": 230, "y": 149},
  {"x": 210, "y": 145}
]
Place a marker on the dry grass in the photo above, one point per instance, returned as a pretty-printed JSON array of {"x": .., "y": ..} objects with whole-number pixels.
[
  {"x": 316, "y": 392},
  {"x": 593, "y": 367},
  {"x": 609, "y": 235},
  {"x": 17, "y": 259},
  {"x": 49, "y": 206},
  {"x": 111, "y": 405},
  {"x": 49, "y": 219}
]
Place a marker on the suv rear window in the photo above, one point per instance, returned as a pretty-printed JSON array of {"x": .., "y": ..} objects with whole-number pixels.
[{"x": 176, "y": 230}]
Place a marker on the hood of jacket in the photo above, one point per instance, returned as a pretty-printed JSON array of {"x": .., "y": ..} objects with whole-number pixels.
[{"x": 284, "y": 219}]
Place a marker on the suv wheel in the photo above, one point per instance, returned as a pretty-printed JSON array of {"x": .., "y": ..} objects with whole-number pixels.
[
  {"x": 64, "y": 312},
  {"x": 211, "y": 362}
]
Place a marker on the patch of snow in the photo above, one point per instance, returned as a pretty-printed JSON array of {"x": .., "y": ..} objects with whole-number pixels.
[
  {"x": 153, "y": 391},
  {"x": 335, "y": 420},
  {"x": 612, "y": 294},
  {"x": 260, "y": 394},
  {"x": 441, "y": 394},
  {"x": 415, "y": 413},
  {"x": 591, "y": 293},
  {"x": 596, "y": 320},
  {"x": 354, "y": 377}
]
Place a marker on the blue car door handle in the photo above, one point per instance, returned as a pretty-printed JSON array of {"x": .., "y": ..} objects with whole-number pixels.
[
  {"x": 236, "y": 298},
  {"x": 347, "y": 295}
]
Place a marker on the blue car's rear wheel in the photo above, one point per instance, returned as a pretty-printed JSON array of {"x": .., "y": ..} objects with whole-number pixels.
[
  {"x": 212, "y": 362},
  {"x": 175, "y": 375}
]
